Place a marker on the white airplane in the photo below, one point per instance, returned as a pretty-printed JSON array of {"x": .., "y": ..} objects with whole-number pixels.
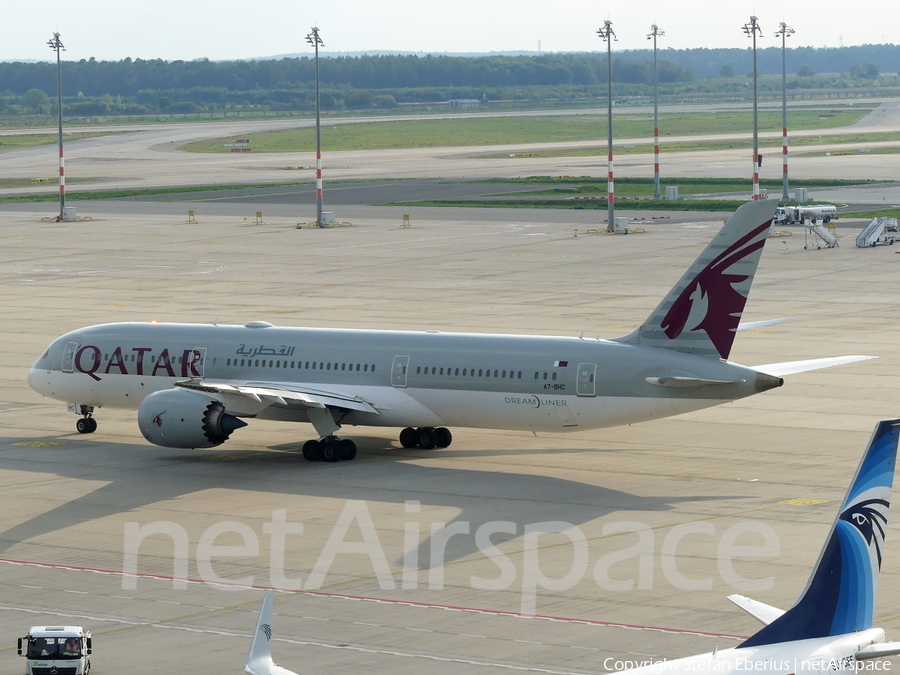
[
  {"x": 195, "y": 384},
  {"x": 829, "y": 629},
  {"x": 259, "y": 659}
]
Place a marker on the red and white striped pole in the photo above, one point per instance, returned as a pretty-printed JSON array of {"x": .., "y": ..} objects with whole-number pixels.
[
  {"x": 57, "y": 45},
  {"x": 314, "y": 40},
  {"x": 655, "y": 32},
  {"x": 785, "y": 32},
  {"x": 62, "y": 182},
  {"x": 607, "y": 34}
]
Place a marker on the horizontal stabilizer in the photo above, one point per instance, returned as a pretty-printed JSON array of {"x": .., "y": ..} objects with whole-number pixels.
[
  {"x": 793, "y": 367},
  {"x": 758, "y": 610},
  {"x": 685, "y": 381},
  {"x": 750, "y": 325},
  {"x": 878, "y": 651}
]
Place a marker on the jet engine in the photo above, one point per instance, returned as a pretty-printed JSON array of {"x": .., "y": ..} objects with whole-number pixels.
[{"x": 178, "y": 418}]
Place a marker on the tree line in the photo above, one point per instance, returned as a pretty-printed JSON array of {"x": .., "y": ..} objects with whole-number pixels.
[{"x": 141, "y": 86}]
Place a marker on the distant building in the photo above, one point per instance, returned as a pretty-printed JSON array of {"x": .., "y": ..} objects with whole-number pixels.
[{"x": 464, "y": 102}]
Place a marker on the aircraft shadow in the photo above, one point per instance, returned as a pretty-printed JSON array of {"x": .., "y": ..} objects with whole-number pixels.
[{"x": 380, "y": 474}]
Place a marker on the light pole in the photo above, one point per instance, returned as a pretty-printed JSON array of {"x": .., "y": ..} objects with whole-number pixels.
[
  {"x": 785, "y": 32},
  {"x": 314, "y": 39},
  {"x": 751, "y": 29},
  {"x": 655, "y": 32},
  {"x": 57, "y": 45},
  {"x": 607, "y": 35}
]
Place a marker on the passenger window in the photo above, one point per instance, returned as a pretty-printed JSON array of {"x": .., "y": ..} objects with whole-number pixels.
[
  {"x": 457, "y": 372},
  {"x": 343, "y": 366},
  {"x": 520, "y": 374},
  {"x": 373, "y": 367},
  {"x": 479, "y": 372},
  {"x": 495, "y": 373},
  {"x": 357, "y": 367},
  {"x": 442, "y": 371},
  {"x": 536, "y": 375},
  {"x": 545, "y": 375},
  {"x": 329, "y": 366},
  {"x": 504, "y": 374},
  {"x": 418, "y": 370},
  {"x": 554, "y": 376}
]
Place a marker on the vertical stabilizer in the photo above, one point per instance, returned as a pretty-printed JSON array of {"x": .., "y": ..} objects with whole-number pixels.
[
  {"x": 259, "y": 660},
  {"x": 701, "y": 313},
  {"x": 840, "y": 595}
]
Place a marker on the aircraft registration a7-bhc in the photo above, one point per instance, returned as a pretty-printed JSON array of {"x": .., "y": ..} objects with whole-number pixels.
[{"x": 195, "y": 384}]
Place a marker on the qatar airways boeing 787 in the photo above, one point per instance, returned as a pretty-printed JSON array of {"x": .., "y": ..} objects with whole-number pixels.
[{"x": 194, "y": 385}]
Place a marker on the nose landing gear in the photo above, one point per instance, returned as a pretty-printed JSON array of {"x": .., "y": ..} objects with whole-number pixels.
[{"x": 87, "y": 424}]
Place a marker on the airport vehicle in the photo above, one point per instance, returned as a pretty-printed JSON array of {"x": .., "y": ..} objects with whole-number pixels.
[
  {"x": 829, "y": 629},
  {"x": 56, "y": 650},
  {"x": 259, "y": 658},
  {"x": 786, "y": 215},
  {"x": 194, "y": 385}
]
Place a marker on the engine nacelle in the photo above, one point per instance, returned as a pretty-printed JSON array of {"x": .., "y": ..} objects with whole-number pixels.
[{"x": 178, "y": 418}]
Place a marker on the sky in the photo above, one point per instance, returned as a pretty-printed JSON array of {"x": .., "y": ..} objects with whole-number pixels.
[{"x": 188, "y": 29}]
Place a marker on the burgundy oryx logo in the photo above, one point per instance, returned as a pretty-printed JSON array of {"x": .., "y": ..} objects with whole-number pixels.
[
  {"x": 710, "y": 301},
  {"x": 158, "y": 419}
]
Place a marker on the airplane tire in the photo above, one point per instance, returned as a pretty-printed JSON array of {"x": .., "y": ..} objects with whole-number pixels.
[
  {"x": 408, "y": 438},
  {"x": 86, "y": 425},
  {"x": 444, "y": 437},
  {"x": 312, "y": 451},
  {"x": 427, "y": 438},
  {"x": 348, "y": 449},
  {"x": 93, "y": 424},
  {"x": 331, "y": 452}
]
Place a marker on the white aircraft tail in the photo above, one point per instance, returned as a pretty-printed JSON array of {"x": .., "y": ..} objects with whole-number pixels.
[
  {"x": 259, "y": 659},
  {"x": 702, "y": 312}
]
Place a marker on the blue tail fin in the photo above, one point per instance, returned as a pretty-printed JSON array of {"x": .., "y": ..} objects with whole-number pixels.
[{"x": 840, "y": 595}]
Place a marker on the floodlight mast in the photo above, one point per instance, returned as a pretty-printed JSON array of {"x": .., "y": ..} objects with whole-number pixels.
[
  {"x": 314, "y": 40},
  {"x": 751, "y": 29},
  {"x": 56, "y": 44},
  {"x": 607, "y": 35},
  {"x": 785, "y": 32},
  {"x": 655, "y": 32}
]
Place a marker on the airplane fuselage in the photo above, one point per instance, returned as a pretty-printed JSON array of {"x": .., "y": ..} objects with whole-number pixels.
[{"x": 409, "y": 378}]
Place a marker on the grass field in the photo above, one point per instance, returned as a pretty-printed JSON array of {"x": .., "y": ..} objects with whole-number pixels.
[
  {"x": 12, "y": 141},
  {"x": 505, "y": 130},
  {"x": 568, "y": 186}
]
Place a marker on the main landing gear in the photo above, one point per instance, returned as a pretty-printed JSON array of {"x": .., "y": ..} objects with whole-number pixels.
[
  {"x": 87, "y": 424},
  {"x": 329, "y": 449},
  {"x": 426, "y": 438}
]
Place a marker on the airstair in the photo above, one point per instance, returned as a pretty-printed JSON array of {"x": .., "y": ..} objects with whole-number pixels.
[
  {"x": 879, "y": 231},
  {"x": 822, "y": 236}
]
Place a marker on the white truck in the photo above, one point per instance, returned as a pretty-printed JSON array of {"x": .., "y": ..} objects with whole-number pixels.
[
  {"x": 785, "y": 215},
  {"x": 56, "y": 650}
]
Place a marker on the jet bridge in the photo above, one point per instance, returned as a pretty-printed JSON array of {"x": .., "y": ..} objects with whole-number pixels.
[{"x": 878, "y": 231}]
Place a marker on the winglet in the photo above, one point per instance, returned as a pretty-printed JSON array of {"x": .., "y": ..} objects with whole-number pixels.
[
  {"x": 840, "y": 595},
  {"x": 703, "y": 310},
  {"x": 259, "y": 659}
]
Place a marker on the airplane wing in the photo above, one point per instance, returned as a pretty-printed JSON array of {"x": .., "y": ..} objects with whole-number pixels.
[
  {"x": 260, "y": 395},
  {"x": 758, "y": 610},
  {"x": 793, "y": 367}
]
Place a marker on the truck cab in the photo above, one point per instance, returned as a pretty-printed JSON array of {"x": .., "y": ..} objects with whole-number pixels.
[{"x": 56, "y": 650}]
